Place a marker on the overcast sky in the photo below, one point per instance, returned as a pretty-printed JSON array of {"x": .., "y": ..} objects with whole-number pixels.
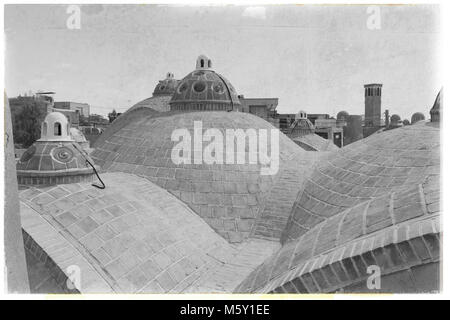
[{"x": 313, "y": 58}]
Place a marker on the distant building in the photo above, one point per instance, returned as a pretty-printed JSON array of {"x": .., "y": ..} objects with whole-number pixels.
[
  {"x": 314, "y": 116},
  {"x": 302, "y": 132},
  {"x": 330, "y": 129},
  {"x": 353, "y": 130},
  {"x": 262, "y": 107},
  {"x": 285, "y": 120},
  {"x": 82, "y": 108},
  {"x": 72, "y": 116}
]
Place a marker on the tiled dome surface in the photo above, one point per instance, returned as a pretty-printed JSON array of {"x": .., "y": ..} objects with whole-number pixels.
[
  {"x": 166, "y": 87},
  {"x": 398, "y": 232},
  {"x": 363, "y": 170},
  {"x": 205, "y": 86},
  {"x": 52, "y": 156},
  {"x": 148, "y": 107},
  {"x": 314, "y": 142},
  {"x": 236, "y": 200},
  {"x": 130, "y": 237}
]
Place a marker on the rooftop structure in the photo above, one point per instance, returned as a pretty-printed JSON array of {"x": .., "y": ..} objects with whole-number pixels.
[
  {"x": 262, "y": 107},
  {"x": 435, "y": 111},
  {"x": 82, "y": 108}
]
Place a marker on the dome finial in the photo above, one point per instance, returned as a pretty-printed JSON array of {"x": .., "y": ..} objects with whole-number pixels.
[{"x": 203, "y": 62}]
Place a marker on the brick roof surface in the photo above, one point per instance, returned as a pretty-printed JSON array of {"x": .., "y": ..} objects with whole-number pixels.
[
  {"x": 132, "y": 236},
  {"x": 372, "y": 167}
]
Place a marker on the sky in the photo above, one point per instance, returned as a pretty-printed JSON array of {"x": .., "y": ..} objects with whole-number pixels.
[{"x": 313, "y": 58}]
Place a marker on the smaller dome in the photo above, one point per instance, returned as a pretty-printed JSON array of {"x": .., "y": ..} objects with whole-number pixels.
[
  {"x": 55, "y": 128},
  {"x": 395, "y": 119},
  {"x": 342, "y": 115},
  {"x": 418, "y": 116},
  {"x": 301, "y": 126},
  {"x": 167, "y": 86},
  {"x": 406, "y": 122}
]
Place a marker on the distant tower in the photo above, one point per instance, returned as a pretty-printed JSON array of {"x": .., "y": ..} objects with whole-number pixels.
[
  {"x": 372, "y": 116},
  {"x": 386, "y": 118}
]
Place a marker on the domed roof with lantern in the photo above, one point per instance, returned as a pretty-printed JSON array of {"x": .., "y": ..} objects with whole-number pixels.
[
  {"x": 56, "y": 157},
  {"x": 204, "y": 89}
]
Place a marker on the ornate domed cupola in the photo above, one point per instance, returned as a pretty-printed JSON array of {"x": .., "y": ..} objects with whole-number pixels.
[
  {"x": 55, "y": 158},
  {"x": 204, "y": 90},
  {"x": 301, "y": 126}
]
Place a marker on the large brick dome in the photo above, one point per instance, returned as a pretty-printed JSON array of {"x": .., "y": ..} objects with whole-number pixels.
[{"x": 234, "y": 199}]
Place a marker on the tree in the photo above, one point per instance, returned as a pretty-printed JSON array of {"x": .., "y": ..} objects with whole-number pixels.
[
  {"x": 27, "y": 116},
  {"x": 96, "y": 118},
  {"x": 112, "y": 115}
]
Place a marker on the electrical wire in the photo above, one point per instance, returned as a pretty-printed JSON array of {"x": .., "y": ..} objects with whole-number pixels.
[{"x": 103, "y": 186}]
